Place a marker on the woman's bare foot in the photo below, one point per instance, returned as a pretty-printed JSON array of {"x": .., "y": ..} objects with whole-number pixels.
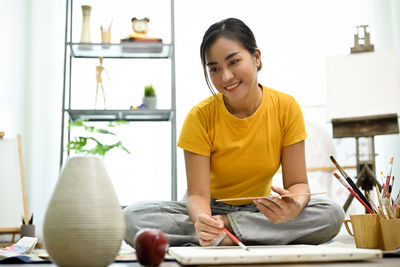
[{"x": 227, "y": 241}]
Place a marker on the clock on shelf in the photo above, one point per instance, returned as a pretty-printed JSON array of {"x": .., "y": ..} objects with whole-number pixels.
[
  {"x": 139, "y": 41},
  {"x": 140, "y": 26}
]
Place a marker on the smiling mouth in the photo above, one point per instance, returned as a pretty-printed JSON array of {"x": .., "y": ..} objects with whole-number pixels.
[{"x": 230, "y": 87}]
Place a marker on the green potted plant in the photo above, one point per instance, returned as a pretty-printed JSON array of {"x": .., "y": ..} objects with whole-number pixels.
[
  {"x": 91, "y": 145},
  {"x": 150, "y": 97}
]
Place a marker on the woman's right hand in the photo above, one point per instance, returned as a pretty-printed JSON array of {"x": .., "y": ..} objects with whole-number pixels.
[{"x": 208, "y": 229}]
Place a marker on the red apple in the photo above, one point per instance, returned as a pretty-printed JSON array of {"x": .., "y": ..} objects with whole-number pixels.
[{"x": 151, "y": 245}]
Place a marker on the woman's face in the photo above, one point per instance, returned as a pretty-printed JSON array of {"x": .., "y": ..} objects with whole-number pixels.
[{"x": 232, "y": 68}]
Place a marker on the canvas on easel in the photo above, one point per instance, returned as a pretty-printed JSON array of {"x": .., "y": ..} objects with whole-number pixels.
[{"x": 13, "y": 202}]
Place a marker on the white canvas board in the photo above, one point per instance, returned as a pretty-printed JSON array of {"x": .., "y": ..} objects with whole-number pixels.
[
  {"x": 363, "y": 84},
  {"x": 11, "y": 203},
  {"x": 270, "y": 254}
]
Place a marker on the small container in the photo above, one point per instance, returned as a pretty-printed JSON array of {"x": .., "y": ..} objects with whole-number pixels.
[{"x": 28, "y": 230}]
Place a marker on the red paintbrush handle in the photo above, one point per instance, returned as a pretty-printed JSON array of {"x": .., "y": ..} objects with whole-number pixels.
[{"x": 359, "y": 199}]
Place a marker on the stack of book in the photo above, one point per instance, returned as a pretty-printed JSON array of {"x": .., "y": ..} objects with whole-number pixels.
[{"x": 135, "y": 43}]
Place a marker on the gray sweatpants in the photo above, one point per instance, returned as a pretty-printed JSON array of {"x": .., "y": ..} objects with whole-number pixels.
[{"x": 319, "y": 222}]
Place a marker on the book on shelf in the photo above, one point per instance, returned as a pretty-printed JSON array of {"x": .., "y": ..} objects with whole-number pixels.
[
  {"x": 136, "y": 43},
  {"x": 141, "y": 40}
]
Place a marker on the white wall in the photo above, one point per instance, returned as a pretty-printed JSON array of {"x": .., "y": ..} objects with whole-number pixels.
[
  {"x": 30, "y": 90},
  {"x": 12, "y": 68},
  {"x": 42, "y": 98},
  {"x": 294, "y": 36}
]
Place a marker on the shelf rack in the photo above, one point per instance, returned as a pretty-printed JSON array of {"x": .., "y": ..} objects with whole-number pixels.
[{"x": 151, "y": 51}]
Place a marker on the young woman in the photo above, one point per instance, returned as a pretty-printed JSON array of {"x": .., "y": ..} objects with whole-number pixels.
[{"x": 234, "y": 143}]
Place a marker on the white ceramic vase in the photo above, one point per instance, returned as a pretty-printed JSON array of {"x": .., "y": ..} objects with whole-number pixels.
[
  {"x": 85, "y": 34},
  {"x": 84, "y": 224}
]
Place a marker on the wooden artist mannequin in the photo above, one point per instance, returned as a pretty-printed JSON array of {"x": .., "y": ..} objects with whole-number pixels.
[{"x": 99, "y": 81}]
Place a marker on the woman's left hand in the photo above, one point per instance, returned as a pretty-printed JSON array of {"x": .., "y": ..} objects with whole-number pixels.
[{"x": 278, "y": 209}]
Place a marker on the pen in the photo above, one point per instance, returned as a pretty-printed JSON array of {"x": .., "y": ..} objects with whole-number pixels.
[
  {"x": 351, "y": 183},
  {"x": 234, "y": 238},
  {"x": 352, "y": 192}
]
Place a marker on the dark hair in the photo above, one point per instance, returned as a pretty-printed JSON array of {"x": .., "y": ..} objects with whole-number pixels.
[{"x": 233, "y": 29}]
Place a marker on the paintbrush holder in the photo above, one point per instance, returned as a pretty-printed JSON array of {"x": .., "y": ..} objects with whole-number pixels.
[
  {"x": 397, "y": 212},
  {"x": 390, "y": 233},
  {"x": 366, "y": 230},
  {"x": 27, "y": 230}
]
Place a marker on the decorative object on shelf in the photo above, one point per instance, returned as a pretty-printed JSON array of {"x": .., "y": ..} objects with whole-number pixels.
[
  {"x": 365, "y": 38},
  {"x": 106, "y": 36},
  {"x": 137, "y": 107},
  {"x": 150, "y": 97},
  {"x": 99, "y": 82},
  {"x": 84, "y": 224},
  {"x": 139, "y": 41},
  {"x": 85, "y": 33},
  {"x": 90, "y": 144},
  {"x": 140, "y": 26}
]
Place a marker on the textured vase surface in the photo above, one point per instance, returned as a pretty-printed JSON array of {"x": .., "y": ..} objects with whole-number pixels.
[
  {"x": 84, "y": 224},
  {"x": 85, "y": 34}
]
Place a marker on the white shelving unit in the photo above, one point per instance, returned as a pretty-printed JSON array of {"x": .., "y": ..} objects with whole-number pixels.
[{"x": 115, "y": 51}]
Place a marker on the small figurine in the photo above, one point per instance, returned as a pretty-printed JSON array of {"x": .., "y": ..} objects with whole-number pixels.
[
  {"x": 99, "y": 81},
  {"x": 364, "y": 47}
]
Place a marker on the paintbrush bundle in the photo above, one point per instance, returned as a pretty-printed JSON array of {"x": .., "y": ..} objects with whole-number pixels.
[
  {"x": 385, "y": 215},
  {"x": 389, "y": 208},
  {"x": 352, "y": 187}
]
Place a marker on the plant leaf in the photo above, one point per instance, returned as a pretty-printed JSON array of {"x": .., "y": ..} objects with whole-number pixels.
[
  {"x": 89, "y": 128},
  {"x": 79, "y": 143},
  {"x": 104, "y": 131},
  {"x": 76, "y": 123}
]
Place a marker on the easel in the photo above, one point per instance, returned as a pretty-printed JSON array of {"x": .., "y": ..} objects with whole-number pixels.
[
  {"x": 365, "y": 38},
  {"x": 365, "y": 127},
  {"x": 13, "y": 231},
  {"x": 16, "y": 230}
]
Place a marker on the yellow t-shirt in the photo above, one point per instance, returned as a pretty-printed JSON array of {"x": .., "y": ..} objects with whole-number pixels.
[{"x": 244, "y": 153}]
